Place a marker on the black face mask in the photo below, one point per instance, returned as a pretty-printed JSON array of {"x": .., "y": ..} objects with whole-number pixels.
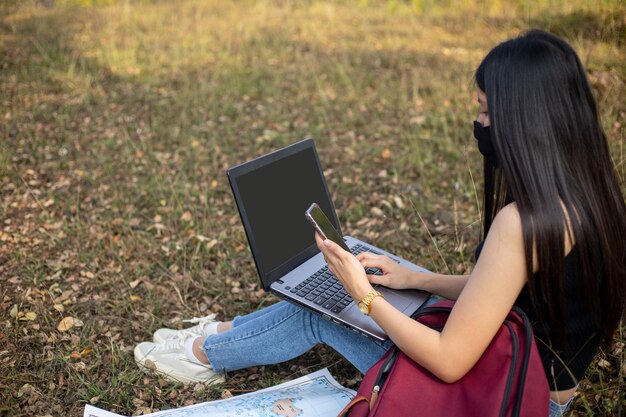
[{"x": 485, "y": 145}]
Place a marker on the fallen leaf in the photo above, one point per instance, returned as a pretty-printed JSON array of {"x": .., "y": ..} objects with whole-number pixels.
[
  {"x": 213, "y": 184},
  {"x": 226, "y": 394},
  {"x": 54, "y": 276},
  {"x": 26, "y": 389},
  {"x": 150, "y": 365},
  {"x": 211, "y": 244},
  {"x": 53, "y": 226},
  {"x": 59, "y": 308},
  {"x": 30, "y": 315},
  {"x": 135, "y": 298},
  {"x": 387, "y": 204},
  {"x": 604, "y": 364},
  {"x": 14, "y": 310},
  {"x": 377, "y": 212},
  {"x": 186, "y": 217},
  {"x": 398, "y": 202},
  {"x": 66, "y": 324},
  {"x": 386, "y": 154},
  {"x": 133, "y": 284}
]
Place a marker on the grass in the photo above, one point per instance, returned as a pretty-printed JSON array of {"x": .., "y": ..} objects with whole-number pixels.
[{"x": 119, "y": 119}]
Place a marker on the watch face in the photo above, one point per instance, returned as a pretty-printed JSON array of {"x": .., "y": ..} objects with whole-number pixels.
[{"x": 363, "y": 308}]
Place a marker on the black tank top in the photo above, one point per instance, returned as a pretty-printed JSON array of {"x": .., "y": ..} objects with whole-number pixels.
[{"x": 565, "y": 365}]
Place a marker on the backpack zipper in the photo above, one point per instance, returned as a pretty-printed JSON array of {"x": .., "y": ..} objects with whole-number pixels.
[{"x": 374, "y": 396}]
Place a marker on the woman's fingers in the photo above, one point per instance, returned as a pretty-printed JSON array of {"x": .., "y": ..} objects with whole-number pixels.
[
  {"x": 320, "y": 245},
  {"x": 329, "y": 247},
  {"x": 378, "y": 279},
  {"x": 370, "y": 260},
  {"x": 334, "y": 248},
  {"x": 319, "y": 240},
  {"x": 332, "y": 252}
]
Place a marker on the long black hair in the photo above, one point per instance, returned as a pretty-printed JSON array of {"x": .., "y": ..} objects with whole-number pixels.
[{"x": 554, "y": 162}]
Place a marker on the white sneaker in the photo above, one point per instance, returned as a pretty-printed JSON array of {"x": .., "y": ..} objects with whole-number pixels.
[
  {"x": 169, "y": 359},
  {"x": 164, "y": 334}
]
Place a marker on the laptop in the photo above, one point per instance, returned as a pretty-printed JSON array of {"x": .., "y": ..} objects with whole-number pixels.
[{"x": 272, "y": 193}]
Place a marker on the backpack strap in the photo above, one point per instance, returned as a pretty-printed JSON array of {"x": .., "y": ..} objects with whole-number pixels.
[
  {"x": 511, "y": 375},
  {"x": 528, "y": 332},
  {"x": 430, "y": 310}
]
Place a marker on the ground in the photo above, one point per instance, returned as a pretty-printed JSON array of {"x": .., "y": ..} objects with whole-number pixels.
[{"x": 120, "y": 118}]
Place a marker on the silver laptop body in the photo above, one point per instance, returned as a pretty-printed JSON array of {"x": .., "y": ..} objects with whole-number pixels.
[{"x": 272, "y": 193}]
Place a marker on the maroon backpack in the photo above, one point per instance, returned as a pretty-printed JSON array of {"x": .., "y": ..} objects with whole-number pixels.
[{"x": 508, "y": 379}]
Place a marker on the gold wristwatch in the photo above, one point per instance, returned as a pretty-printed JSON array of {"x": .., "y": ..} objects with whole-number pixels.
[{"x": 364, "y": 304}]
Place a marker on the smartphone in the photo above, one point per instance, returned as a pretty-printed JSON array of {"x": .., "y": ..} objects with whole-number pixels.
[{"x": 324, "y": 227}]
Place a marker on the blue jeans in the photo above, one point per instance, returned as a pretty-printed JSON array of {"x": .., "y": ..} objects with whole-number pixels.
[
  {"x": 284, "y": 331},
  {"x": 557, "y": 410}
]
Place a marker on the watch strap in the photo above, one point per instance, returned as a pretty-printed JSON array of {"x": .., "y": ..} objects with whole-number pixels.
[{"x": 364, "y": 304}]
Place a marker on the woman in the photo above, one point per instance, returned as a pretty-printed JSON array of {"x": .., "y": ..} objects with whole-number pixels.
[{"x": 554, "y": 227}]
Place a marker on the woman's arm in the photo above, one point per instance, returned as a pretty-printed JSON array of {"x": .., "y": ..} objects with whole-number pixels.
[
  {"x": 447, "y": 286},
  {"x": 482, "y": 305},
  {"x": 399, "y": 277}
]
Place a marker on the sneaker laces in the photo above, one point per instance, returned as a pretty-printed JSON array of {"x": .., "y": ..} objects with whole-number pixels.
[
  {"x": 173, "y": 345},
  {"x": 177, "y": 346},
  {"x": 200, "y": 322},
  {"x": 203, "y": 320}
]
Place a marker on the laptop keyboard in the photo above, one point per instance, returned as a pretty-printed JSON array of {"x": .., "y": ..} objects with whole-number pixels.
[{"x": 325, "y": 290}]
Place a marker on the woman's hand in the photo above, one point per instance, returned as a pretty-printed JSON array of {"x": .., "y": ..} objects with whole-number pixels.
[
  {"x": 394, "y": 276},
  {"x": 346, "y": 267}
]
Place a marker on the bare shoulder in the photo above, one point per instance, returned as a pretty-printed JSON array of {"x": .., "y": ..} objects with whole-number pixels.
[
  {"x": 508, "y": 231},
  {"x": 507, "y": 228},
  {"x": 508, "y": 223}
]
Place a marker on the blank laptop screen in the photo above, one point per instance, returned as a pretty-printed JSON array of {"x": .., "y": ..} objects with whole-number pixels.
[{"x": 274, "y": 198}]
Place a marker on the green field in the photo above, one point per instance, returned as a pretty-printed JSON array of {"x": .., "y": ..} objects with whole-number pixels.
[{"x": 119, "y": 118}]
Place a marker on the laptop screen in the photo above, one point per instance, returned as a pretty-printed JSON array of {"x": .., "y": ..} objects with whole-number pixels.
[{"x": 272, "y": 194}]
